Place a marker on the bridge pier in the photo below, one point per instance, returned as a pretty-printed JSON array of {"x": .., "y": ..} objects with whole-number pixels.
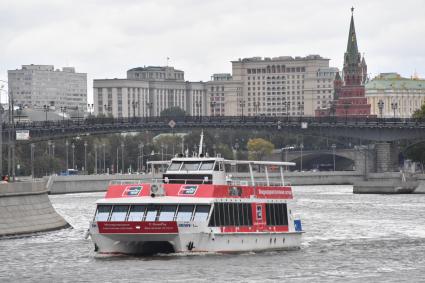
[{"x": 386, "y": 157}]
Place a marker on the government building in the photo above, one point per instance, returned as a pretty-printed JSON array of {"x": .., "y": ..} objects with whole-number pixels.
[
  {"x": 147, "y": 91},
  {"x": 41, "y": 86},
  {"x": 391, "y": 95}
]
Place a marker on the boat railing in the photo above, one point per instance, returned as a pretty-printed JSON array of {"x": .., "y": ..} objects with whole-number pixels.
[
  {"x": 257, "y": 183},
  {"x": 127, "y": 182},
  {"x": 161, "y": 180},
  {"x": 233, "y": 182}
]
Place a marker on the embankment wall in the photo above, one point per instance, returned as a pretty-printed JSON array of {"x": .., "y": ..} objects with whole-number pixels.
[{"x": 25, "y": 208}]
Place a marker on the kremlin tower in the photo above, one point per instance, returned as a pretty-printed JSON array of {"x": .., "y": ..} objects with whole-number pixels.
[{"x": 349, "y": 94}]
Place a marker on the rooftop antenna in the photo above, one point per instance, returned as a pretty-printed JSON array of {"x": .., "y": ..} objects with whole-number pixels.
[
  {"x": 200, "y": 143},
  {"x": 168, "y": 59}
]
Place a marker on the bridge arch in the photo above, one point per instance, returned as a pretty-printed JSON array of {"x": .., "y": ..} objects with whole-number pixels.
[{"x": 323, "y": 162}]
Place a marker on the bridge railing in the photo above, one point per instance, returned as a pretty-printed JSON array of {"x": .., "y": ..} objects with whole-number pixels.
[{"x": 160, "y": 120}]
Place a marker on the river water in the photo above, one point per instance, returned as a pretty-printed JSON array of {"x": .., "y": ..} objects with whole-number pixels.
[{"x": 350, "y": 238}]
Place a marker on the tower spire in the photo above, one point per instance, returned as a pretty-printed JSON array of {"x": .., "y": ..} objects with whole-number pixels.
[{"x": 352, "y": 38}]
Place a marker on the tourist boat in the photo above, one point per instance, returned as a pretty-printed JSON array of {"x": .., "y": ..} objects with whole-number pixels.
[{"x": 198, "y": 206}]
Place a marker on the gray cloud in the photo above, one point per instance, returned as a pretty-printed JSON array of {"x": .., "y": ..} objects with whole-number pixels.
[{"x": 105, "y": 38}]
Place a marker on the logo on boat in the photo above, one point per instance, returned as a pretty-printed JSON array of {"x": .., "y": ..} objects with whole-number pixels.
[
  {"x": 132, "y": 191},
  {"x": 188, "y": 190}
]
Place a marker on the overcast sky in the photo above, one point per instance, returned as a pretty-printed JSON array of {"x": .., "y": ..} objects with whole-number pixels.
[{"x": 104, "y": 38}]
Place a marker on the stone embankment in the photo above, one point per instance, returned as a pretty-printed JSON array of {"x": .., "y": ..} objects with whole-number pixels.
[
  {"x": 377, "y": 183},
  {"x": 25, "y": 208}
]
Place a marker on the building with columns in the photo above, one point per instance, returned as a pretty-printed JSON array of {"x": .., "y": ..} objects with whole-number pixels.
[
  {"x": 391, "y": 95},
  {"x": 147, "y": 91}
]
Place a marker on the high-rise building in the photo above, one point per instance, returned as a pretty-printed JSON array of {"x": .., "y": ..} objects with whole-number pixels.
[
  {"x": 394, "y": 96},
  {"x": 349, "y": 94},
  {"x": 282, "y": 85},
  {"x": 35, "y": 86},
  {"x": 147, "y": 91}
]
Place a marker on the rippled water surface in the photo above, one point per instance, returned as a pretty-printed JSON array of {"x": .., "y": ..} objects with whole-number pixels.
[{"x": 351, "y": 238}]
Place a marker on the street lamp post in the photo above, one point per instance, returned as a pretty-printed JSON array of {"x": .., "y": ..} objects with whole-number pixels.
[
  {"x": 32, "y": 160},
  {"x": 286, "y": 148},
  {"x": 73, "y": 155},
  {"x": 95, "y": 158},
  {"x": 104, "y": 160},
  {"x": 66, "y": 146},
  {"x": 63, "y": 110},
  {"x": 46, "y": 109},
  {"x": 333, "y": 146},
  {"x": 122, "y": 156},
  {"x": 90, "y": 109},
  {"x": 140, "y": 166},
  {"x": 49, "y": 153},
  {"x": 85, "y": 157},
  {"x": 394, "y": 106},
  {"x": 242, "y": 105},
  {"x": 380, "y": 107},
  {"x": 301, "y": 159}
]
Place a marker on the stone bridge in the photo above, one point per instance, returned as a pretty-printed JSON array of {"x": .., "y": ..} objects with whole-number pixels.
[{"x": 374, "y": 158}]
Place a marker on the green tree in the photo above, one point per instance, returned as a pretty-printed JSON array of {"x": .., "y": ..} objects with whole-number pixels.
[
  {"x": 419, "y": 113},
  {"x": 258, "y": 148},
  {"x": 173, "y": 112}
]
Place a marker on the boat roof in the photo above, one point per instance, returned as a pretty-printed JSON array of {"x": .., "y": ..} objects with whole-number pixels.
[
  {"x": 156, "y": 200},
  {"x": 226, "y": 161}
]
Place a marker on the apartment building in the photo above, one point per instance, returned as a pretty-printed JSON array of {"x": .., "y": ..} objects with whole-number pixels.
[{"x": 37, "y": 86}]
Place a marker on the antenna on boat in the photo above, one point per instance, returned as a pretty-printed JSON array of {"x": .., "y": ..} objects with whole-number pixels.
[{"x": 200, "y": 143}]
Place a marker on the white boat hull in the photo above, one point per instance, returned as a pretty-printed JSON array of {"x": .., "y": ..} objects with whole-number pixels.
[{"x": 195, "y": 242}]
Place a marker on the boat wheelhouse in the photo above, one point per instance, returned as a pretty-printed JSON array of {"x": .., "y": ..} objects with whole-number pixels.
[{"x": 198, "y": 206}]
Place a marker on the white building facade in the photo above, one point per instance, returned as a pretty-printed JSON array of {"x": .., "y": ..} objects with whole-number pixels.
[
  {"x": 223, "y": 93},
  {"x": 391, "y": 95},
  {"x": 282, "y": 85},
  {"x": 147, "y": 91},
  {"x": 35, "y": 86}
]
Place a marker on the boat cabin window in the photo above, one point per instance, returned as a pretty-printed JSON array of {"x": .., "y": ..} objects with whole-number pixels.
[
  {"x": 102, "y": 213},
  {"x": 219, "y": 166},
  {"x": 231, "y": 214},
  {"x": 207, "y": 165},
  {"x": 119, "y": 212},
  {"x": 184, "y": 213},
  {"x": 175, "y": 166},
  {"x": 276, "y": 214},
  {"x": 151, "y": 213},
  {"x": 167, "y": 213},
  {"x": 201, "y": 213},
  {"x": 136, "y": 212},
  {"x": 190, "y": 165}
]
